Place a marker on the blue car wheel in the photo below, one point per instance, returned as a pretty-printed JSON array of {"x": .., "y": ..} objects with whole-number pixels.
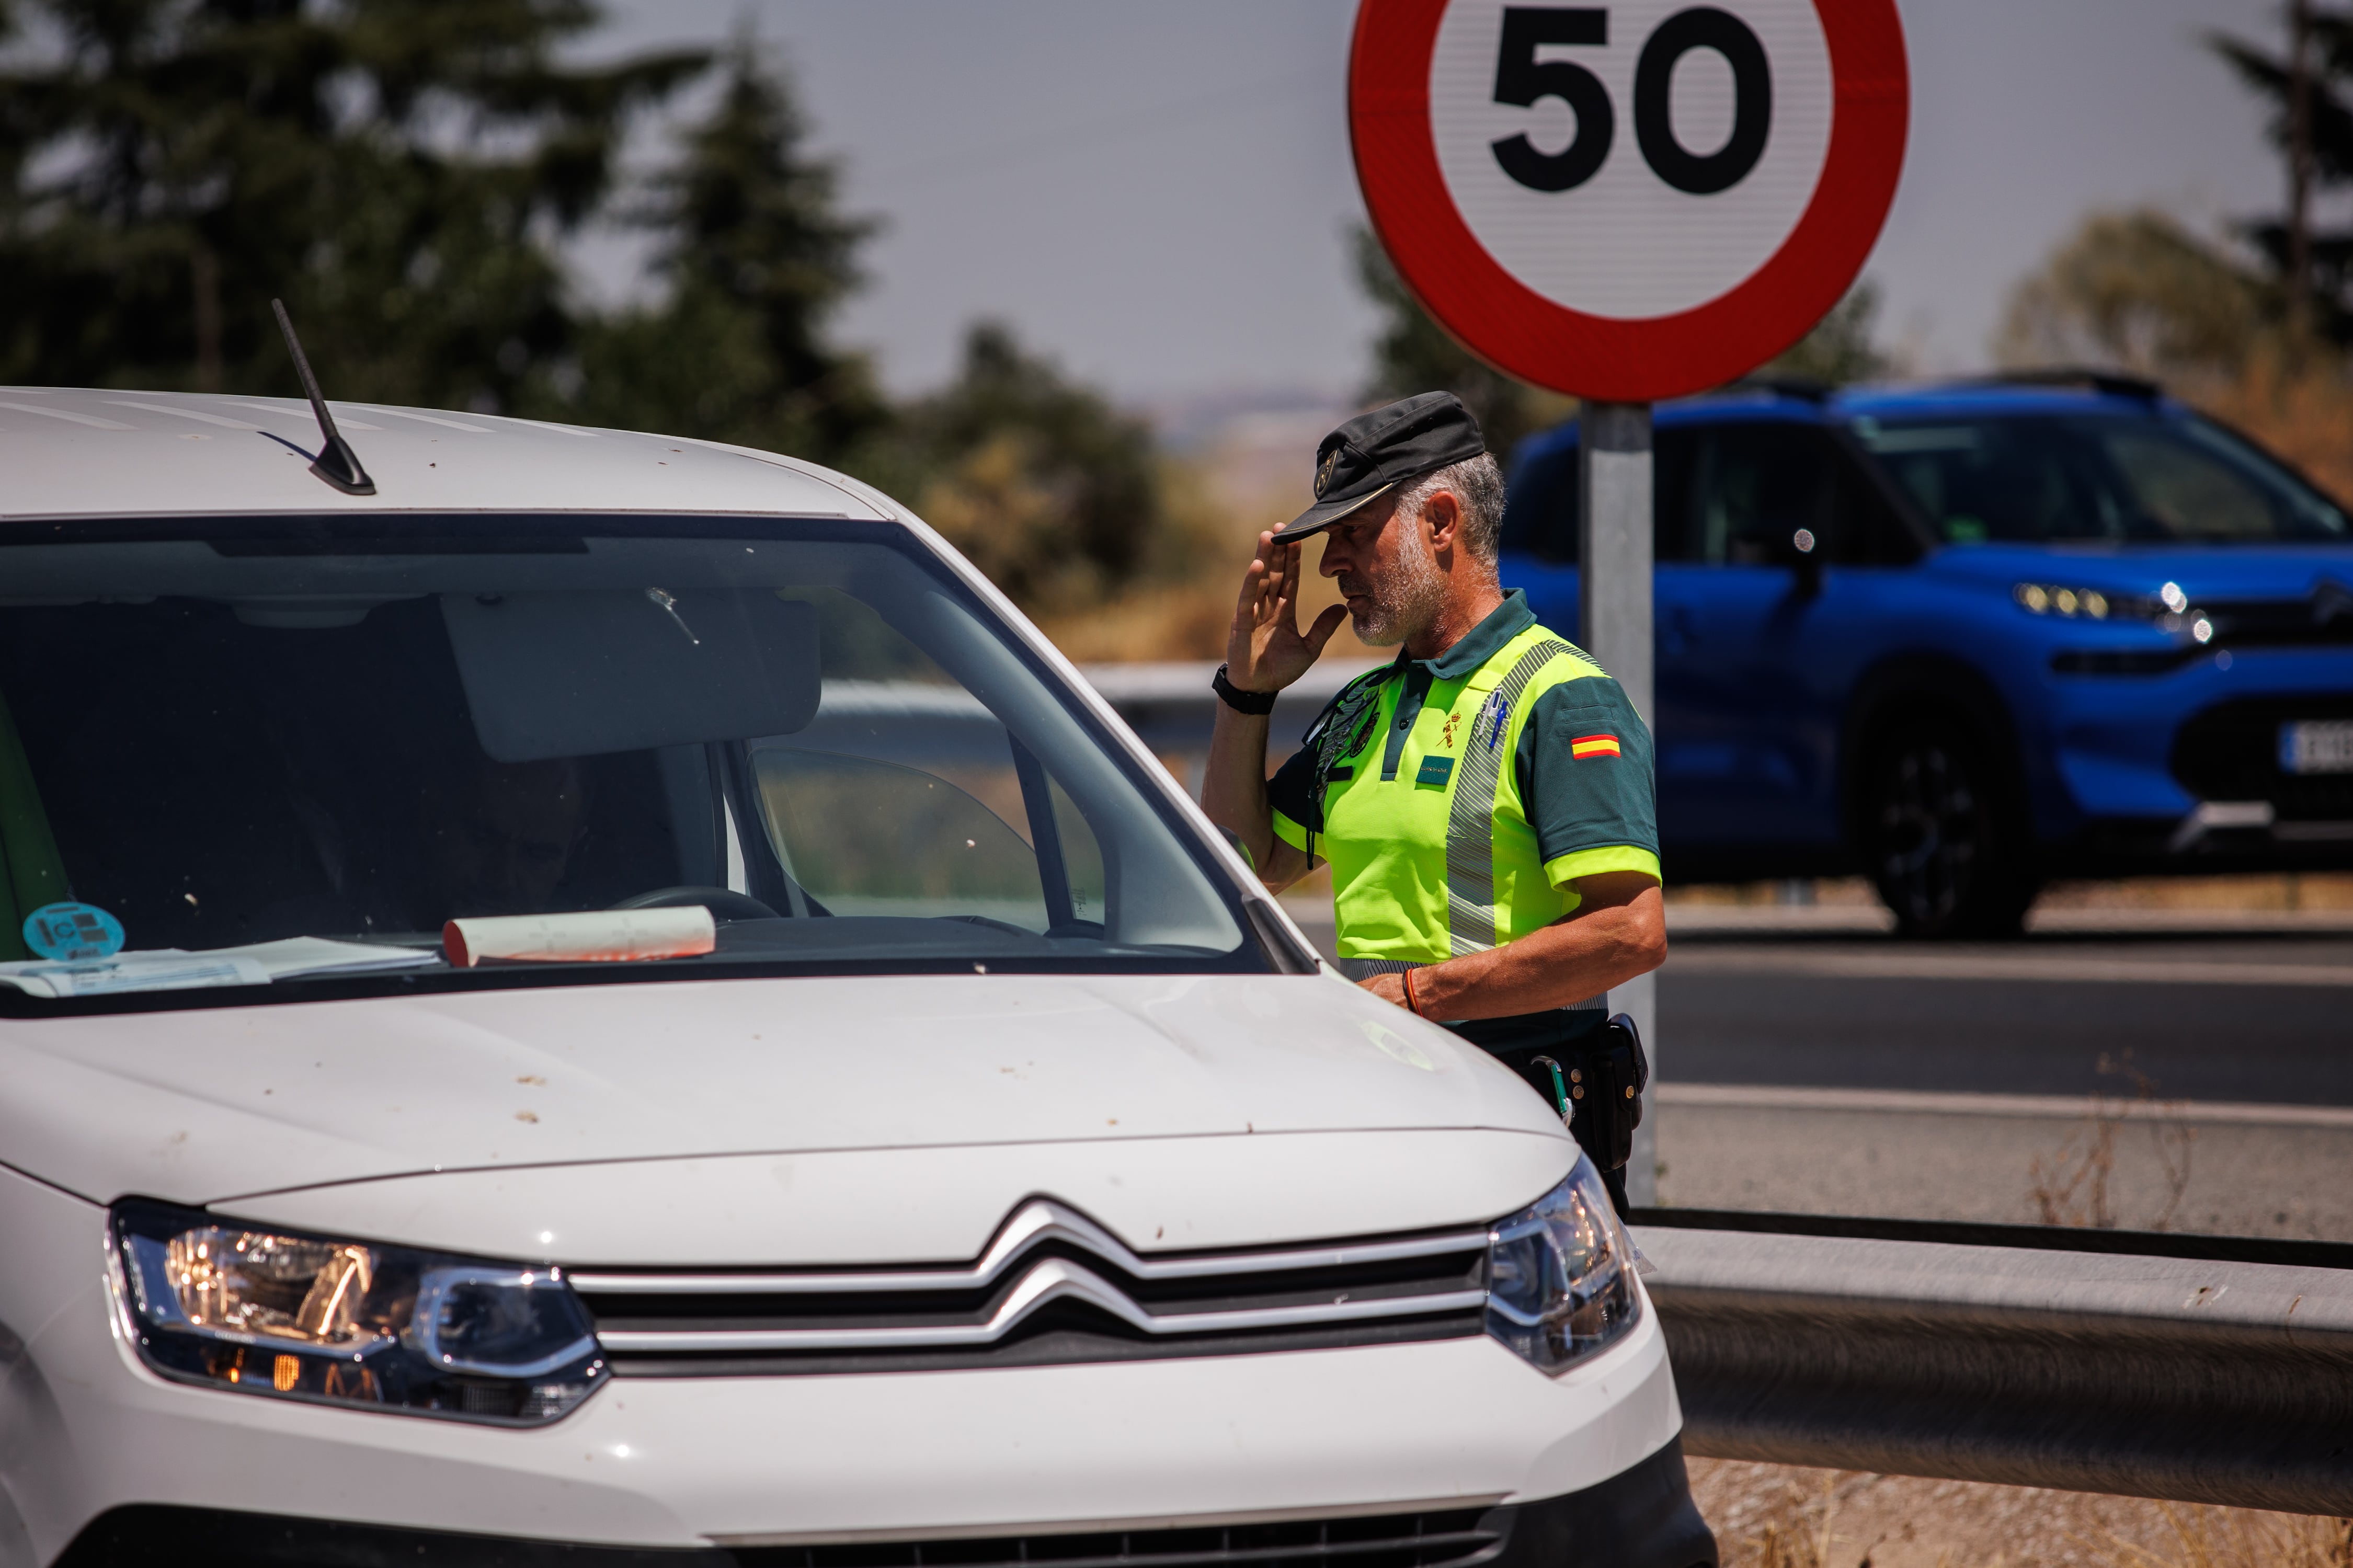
[{"x": 1942, "y": 841}]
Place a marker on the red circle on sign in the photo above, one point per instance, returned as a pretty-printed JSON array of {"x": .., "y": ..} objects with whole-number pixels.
[{"x": 1611, "y": 359}]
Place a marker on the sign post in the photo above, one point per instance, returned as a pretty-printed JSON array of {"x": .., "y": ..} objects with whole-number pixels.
[
  {"x": 1626, "y": 202},
  {"x": 1613, "y": 621}
]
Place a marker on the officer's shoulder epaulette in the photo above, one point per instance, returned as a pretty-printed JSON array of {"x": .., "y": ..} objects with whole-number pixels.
[{"x": 1587, "y": 664}]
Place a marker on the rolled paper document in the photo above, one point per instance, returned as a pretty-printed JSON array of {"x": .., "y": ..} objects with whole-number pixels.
[{"x": 589, "y": 936}]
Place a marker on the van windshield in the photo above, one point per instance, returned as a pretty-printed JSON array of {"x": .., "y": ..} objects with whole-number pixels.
[
  {"x": 2027, "y": 478},
  {"x": 287, "y": 752}
]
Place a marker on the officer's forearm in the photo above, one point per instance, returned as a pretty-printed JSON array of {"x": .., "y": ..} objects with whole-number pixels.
[
  {"x": 1561, "y": 965},
  {"x": 1234, "y": 794}
]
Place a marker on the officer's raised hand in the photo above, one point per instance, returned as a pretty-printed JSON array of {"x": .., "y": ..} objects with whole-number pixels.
[{"x": 1265, "y": 649}]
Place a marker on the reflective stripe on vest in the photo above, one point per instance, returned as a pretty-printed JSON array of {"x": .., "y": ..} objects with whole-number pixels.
[{"x": 1471, "y": 821}]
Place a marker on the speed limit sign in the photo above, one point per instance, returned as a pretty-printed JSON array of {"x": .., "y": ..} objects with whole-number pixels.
[{"x": 1634, "y": 200}]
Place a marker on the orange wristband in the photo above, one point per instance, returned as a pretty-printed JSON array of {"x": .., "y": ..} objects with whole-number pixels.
[{"x": 1413, "y": 1003}]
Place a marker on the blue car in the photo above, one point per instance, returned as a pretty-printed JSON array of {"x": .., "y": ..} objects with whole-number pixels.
[{"x": 1967, "y": 638}]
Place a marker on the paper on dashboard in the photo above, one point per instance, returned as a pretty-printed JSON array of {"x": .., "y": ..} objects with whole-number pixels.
[
  {"x": 174, "y": 969},
  {"x": 165, "y": 969},
  {"x": 297, "y": 955}
]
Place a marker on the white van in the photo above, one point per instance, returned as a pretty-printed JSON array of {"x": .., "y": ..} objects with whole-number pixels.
[{"x": 620, "y": 1006}]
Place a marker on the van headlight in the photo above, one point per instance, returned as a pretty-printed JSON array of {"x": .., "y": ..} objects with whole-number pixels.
[
  {"x": 351, "y": 1322},
  {"x": 1560, "y": 1275}
]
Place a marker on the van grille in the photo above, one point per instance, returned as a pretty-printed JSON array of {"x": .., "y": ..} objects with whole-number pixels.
[
  {"x": 1052, "y": 1287},
  {"x": 1459, "y": 1538}
]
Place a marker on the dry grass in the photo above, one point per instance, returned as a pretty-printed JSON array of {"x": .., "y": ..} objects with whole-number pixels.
[
  {"x": 1775, "y": 1516},
  {"x": 2069, "y": 1186}
]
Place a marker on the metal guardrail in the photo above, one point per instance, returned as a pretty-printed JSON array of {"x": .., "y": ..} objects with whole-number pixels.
[{"x": 2210, "y": 1377}]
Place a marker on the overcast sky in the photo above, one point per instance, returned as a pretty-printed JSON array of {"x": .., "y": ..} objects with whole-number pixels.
[{"x": 1159, "y": 194}]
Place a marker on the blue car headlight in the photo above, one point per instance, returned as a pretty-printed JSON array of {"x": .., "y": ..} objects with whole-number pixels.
[
  {"x": 336, "y": 1322},
  {"x": 1560, "y": 1275}
]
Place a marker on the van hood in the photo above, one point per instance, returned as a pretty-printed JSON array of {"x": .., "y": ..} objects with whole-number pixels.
[{"x": 201, "y": 1105}]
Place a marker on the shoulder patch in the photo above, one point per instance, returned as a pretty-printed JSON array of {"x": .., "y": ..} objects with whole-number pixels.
[{"x": 1594, "y": 746}]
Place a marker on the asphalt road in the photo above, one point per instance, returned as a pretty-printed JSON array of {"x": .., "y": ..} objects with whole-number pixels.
[
  {"x": 2267, "y": 1019},
  {"x": 1813, "y": 1065},
  {"x": 2228, "y": 1015}
]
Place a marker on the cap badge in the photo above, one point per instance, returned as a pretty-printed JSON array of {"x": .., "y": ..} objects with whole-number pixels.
[{"x": 1324, "y": 470}]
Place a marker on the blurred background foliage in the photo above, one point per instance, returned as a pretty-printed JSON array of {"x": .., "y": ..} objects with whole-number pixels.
[
  {"x": 2254, "y": 323},
  {"x": 751, "y": 260},
  {"x": 1054, "y": 493},
  {"x": 399, "y": 171},
  {"x": 1414, "y": 353},
  {"x": 407, "y": 174}
]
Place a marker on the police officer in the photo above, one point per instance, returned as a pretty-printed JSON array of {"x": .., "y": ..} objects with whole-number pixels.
[{"x": 1484, "y": 802}]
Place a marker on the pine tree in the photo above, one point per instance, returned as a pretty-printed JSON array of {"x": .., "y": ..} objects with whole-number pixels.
[
  {"x": 1841, "y": 347},
  {"x": 1414, "y": 353},
  {"x": 753, "y": 259},
  {"x": 2329, "y": 98},
  {"x": 394, "y": 169},
  {"x": 1054, "y": 493}
]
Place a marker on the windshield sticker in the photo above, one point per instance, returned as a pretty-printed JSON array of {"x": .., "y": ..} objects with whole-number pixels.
[{"x": 73, "y": 933}]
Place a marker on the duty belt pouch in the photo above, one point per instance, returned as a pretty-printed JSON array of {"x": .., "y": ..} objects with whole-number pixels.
[
  {"x": 1602, "y": 1072},
  {"x": 1606, "y": 1104}
]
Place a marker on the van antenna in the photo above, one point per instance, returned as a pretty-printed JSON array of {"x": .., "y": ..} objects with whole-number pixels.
[{"x": 336, "y": 462}]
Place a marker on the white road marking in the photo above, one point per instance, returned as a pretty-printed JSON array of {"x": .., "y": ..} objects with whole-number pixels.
[
  {"x": 1920, "y": 1102},
  {"x": 1913, "y": 966}
]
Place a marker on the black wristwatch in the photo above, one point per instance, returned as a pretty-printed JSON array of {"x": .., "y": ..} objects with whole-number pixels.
[{"x": 1235, "y": 698}]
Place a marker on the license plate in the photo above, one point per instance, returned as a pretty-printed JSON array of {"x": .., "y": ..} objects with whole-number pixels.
[{"x": 2317, "y": 746}]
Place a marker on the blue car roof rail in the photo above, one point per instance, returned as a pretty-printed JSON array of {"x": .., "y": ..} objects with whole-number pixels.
[
  {"x": 2113, "y": 383},
  {"x": 1805, "y": 388}
]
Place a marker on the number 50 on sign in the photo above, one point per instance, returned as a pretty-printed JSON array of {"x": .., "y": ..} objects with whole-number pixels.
[{"x": 1627, "y": 201}]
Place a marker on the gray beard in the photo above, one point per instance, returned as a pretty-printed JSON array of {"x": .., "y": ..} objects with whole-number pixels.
[{"x": 1405, "y": 602}]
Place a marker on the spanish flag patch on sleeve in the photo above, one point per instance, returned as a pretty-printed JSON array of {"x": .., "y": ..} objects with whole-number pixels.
[{"x": 1593, "y": 746}]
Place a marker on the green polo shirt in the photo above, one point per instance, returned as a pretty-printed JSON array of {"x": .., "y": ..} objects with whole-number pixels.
[{"x": 1467, "y": 794}]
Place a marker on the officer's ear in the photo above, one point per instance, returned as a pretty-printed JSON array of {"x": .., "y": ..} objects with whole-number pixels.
[{"x": 1443, "y": 515}]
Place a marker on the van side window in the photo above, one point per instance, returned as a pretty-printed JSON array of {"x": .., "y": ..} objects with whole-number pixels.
[
  {"x": 1541, "y": 516},
  {"x": 1868, "y": 531},
  {"x": 1753, "y": 486},
  {"x": 1673, "y": 455},
  {"x": 1540, "y": 508}
]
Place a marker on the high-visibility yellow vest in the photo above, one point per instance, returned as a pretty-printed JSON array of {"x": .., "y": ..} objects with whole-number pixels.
[{"x": 1442, "y": 837}]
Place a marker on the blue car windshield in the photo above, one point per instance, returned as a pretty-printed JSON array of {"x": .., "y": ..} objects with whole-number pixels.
[{"x": 2120, "y": 478}]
